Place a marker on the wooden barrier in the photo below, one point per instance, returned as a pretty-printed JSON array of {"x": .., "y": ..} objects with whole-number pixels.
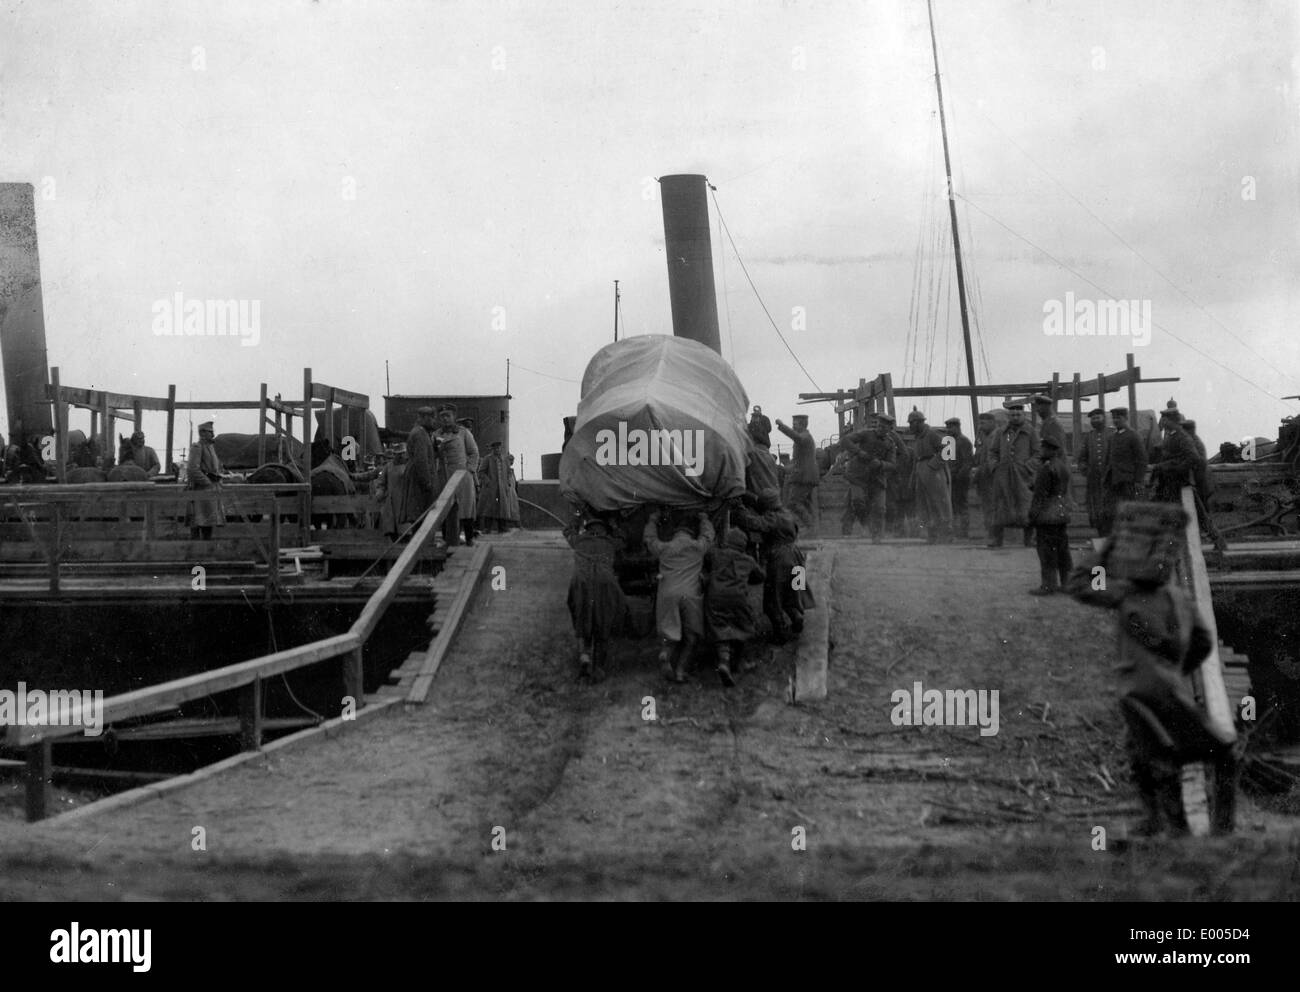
[{"x": 246, "y": 676}]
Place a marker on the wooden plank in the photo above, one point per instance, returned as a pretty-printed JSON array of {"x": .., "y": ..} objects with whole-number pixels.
[
  {"x": 60, "y": 430},
  {"x": 340, "y": 397},
  {"x": 383, "y": 596},
  {"x": 169, "y": 458},
  {"x": 144, "y": 701},
  {"x": 250, "y": 716},
  {"x": 353, "y": 676},
  {"x": 1134, "y": 375},
  {"x": 459, "y": 609},
  {"x": 96, "y": 399},
  {"x": 198, "y": 552},
  {"x": 40, "y": 796},
  {"x": 811, "y": 655},
  {"x": 1077, "y": 415}
]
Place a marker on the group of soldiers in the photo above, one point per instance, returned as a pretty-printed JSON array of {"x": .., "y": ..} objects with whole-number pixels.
[{"x": 438, "y": 446}]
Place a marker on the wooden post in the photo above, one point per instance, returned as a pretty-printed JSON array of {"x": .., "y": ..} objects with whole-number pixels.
[
  {"x": 261, "y": 428},
  {"x": 250, "y": 715},
  {"x": 171, "y": 425},
  {"x": 889, "y": 393},
  {"x": 1078, "y": 414},
  {"x": 1133, "y": 375},
  {"x": 1055, "y": 390},
  {"x": 137, "y": 415},
  {"x": 329, "y": 418},
  {"x": 106, "y": 424},
  {"x": 273, "y": 562},
  {"x": 56, "y": 539},
  {"x": 353, "y": 671},
  {"x": 305, "y": 516},
  {"x": 40, "y": 766},
  {"x": 1101, "y": 396},
  {"x": 839, "y": 412},
  {"x": 60, "y": 427}
]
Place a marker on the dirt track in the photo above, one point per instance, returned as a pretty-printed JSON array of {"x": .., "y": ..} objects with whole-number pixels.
[{"x": 597, "y": 802}]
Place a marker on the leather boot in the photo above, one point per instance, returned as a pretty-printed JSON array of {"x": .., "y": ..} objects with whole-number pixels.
[
  {"x": 1152, "y": 823},
  {"x": 724, "y": 665}
]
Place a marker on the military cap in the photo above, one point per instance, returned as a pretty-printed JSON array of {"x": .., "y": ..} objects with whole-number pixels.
[
  {"x": 884, "y": 418},
  {"x": 206, "y": 425},
  {"x": 495, "y": 444},
  {"x": 1189, "y": 425},
  {"x": 1040, "y": 398},
  {"x": 424, "y": 411},
  {"x": 138, "y": 436},
  {"x": 915, "y": 415},
  {"x": 987, "y": 415},
  {"x": 1099, "y": 412},
  {"x": 952, "y": 420},
  {"x": 1119, "y": 411},
  {"x": 447, "y": 408},
  {"x": 1013, "y": 405},
  {"x": 1171, "y": 414},
  {"x": 799, "y": 416}
]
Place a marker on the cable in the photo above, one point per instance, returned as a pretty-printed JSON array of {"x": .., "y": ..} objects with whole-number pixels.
[
  {"x": 1118, "y": 237},
  {"x": 1107, "y": 292},
  {"x": 515, "y": 365},
  {"x": 726, "y": 299},
  {"x": 745, "y": 270}
]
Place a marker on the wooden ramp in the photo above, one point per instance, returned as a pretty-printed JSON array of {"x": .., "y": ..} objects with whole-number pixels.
[{"x": 453, "y": 594}]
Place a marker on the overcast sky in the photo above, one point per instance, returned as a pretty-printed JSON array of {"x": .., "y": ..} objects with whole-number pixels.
[{"x": 448, "y": 185}]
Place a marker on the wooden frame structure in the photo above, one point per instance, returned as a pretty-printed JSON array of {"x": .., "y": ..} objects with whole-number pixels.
[{"x": 878, "y": 396}]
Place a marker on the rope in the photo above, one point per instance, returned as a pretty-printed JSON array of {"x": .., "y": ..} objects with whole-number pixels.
[
  {"x": 1108, "y": 293},
  {"x": 745, "y": 270}
]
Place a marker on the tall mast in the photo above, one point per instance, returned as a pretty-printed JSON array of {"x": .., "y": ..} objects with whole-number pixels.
[
  {"x": 615, "y": 309},
  {"x": 956, "y": 241}
]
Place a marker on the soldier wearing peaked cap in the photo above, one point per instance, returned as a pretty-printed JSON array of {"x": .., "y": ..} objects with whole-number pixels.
[
  {"x": 871, "y": 460},
  {"x": 1050, "y": 514},
  {"x": 933, "y": 480},
  {"x": 804, "y": 475},
  {"x": 1126, "y": 468},
  {"x": 1011, "y": 457},
  {"x": 457, "y": 449},
  {"x": 1093, "y": 449},
  {"x": 203, "y": 474}
]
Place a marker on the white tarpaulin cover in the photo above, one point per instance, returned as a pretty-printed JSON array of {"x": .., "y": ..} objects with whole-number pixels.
[{"x": 661, "y": 421}]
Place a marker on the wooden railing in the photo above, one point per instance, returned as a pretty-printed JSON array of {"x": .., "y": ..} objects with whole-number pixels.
[
  {"x": 246, "y": 676},
  {"x": 126, "y": 521}
]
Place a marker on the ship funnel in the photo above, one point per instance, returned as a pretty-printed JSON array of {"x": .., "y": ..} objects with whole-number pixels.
[
  {"x": 22, "y": 315},
  {"x": 690, "y": 259}
]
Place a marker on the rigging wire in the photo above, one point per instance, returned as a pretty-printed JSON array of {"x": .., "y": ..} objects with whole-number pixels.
[
  {"x": 1118, "y": 237},
  {"x": 515, "y": 366},
  {"x": 726, "y": 299},
  {"x": 745, "y": 269},
  {"x": 1111, "y": 295}
]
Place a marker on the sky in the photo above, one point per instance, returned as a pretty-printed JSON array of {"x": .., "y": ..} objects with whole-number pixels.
[{"x": 443, "y": 186}]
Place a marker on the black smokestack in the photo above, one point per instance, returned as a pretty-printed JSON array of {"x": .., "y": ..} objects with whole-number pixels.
[
  {"x": 22, "y": 315},
  {"x": 690, "y": 259}
]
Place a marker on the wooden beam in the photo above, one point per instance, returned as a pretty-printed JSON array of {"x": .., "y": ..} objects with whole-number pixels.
[
  {"x": 1101, "y": 396},
  {"x": 1211, "y": 670},
  {"x": 1134, "y": 376},
  {"x": 261, "y": 428},
  {"x": 60, "y": 429},
  {"x": 457, "y": 611},
  {"x": 1078, "y": 414},
  {"x": 811, "y": 656},
  {"x": 171, "y": 428},
  {"x": 216, "y": 404},
  {"x": 250, "y": 716},
  {"x": 341, "y": 397},
  {"x": 887, "y": 381},
  {"x": 149, "y": 700},
  {"x": 40, "y": 796},
  {"x": 365, "y": 623},
  {"x": 304, "y": 518}
]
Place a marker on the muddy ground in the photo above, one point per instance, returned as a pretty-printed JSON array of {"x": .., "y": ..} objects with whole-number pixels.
[{"x": 712, "y": 797}]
